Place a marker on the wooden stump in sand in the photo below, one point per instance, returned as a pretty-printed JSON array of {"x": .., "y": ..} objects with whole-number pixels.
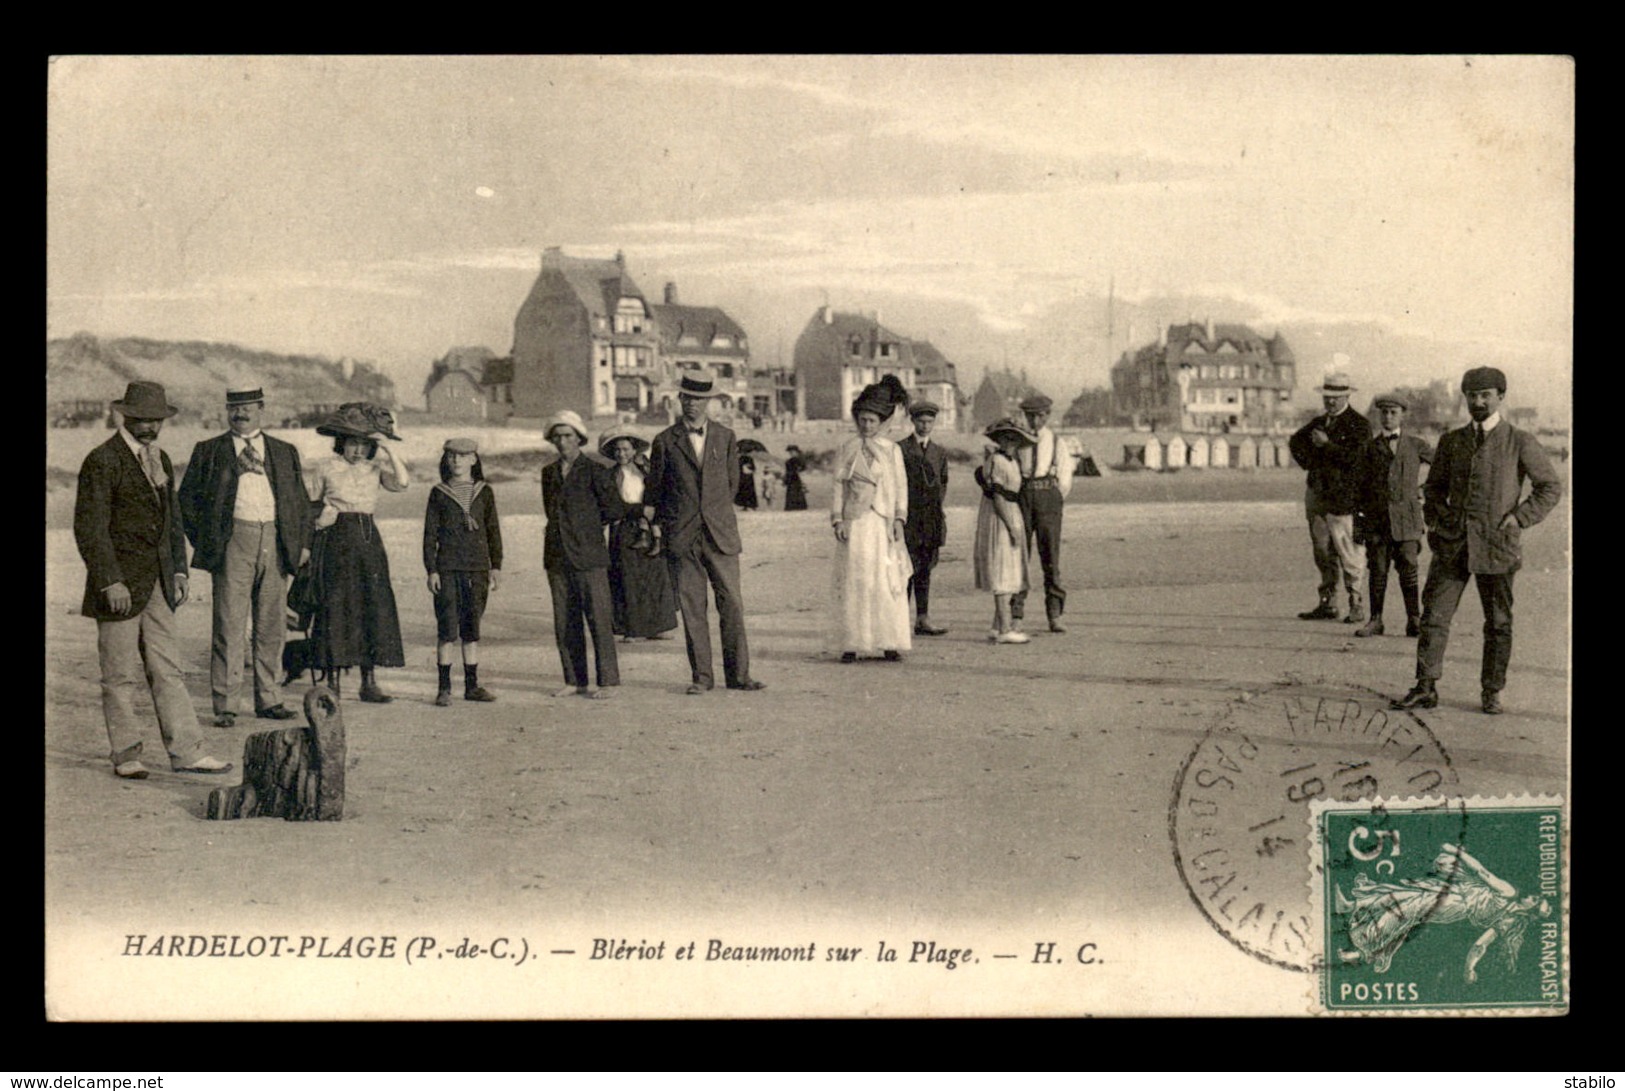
[{"x": 296, "y": 773}]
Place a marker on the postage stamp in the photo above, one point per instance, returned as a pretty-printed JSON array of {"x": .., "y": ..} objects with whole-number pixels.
[{"x": 1422, "y": 912}]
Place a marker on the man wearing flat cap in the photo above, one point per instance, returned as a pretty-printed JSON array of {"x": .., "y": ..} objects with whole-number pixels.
[
  {"x": 1476, "y": 514},
  {"x": 1390, "y": 520},
  {"x": 925, "y": 464},
  {"x": 128, "y": 531},
  {"x": 244, "y": 506},
  {"x": 1332, "y": 448},
  {"x": 1046, "y": 478}
]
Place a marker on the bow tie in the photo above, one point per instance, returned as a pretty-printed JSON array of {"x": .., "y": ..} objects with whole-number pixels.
[{"x": 696, "y": 431}]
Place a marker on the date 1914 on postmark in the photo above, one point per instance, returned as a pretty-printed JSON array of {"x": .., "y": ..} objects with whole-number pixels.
[{"x": 1422, "y": 913}]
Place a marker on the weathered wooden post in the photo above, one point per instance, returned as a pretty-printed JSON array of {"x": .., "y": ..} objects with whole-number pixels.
[{"x": 296, "y": 773}]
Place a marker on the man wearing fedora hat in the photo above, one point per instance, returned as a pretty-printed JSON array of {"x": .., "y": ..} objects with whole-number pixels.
[
  {"x": 128, "y": 532},
  {"x": 1390, "y": 520},
  {"x": 1332, "y": 448},
  {"x": 1475, "y": 513},
  {"x": 1046, "y": 478},
  {"x": 926, "y": 466},
  {"x": 693, "y": 476},
  {"x": 244, "y": 507}
]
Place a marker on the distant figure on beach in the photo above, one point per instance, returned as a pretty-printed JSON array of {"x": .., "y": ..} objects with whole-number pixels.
[
  {"x": 356, "y": 622},
  {"x": 769, "y": 486},
  {"x": 579, "y": 497},
  {"x": 462, "y": 551},
  {"x": 645, "y": 606},
  {"x": 693, "y": 475},
  {"x": 745, "y": 496},
  {"x": 1000, "y": 553},
  {"x": 1331, "y": 447},
  {"x": 795, "y": 493},
  {"x": 127, "y": 525},
  {"x": 245, "y": 511},
  {"x": 926, "y": 464},
  {"x": 868, "y": 511}
]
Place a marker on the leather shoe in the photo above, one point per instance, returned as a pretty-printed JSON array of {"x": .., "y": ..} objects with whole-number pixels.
[
  {"x": 749, "y": 684},
  {"x": 205, "y": 765},
  {"x": 1421, "y": 695},
  {"x": 1370, "y": 628},
  {"x": 1413, "y": 628},
  {"x": 276, "y": 712},
  {"x": 925, "y": 628},
  {"x": 478, "y": 693},
  {"x": 225, "y": 719},
  {"x": 375, "y": 696},
  {"x": 443, "y": 698},
  {"x": 849, "y": 657},
  {"x": 1056, "y": 625},
  {"x": 130, "y": 770},
  {"x": 1491, "y": 702},
  {"x": 696, "y": 688},
  {"x": 891, "y": 655},
  {"x": 1356, "y": 615},
  {"x": 1324, "y": 612}
]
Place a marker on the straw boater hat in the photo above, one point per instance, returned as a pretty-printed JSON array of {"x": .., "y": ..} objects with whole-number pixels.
[
  {"x": 565, "y": 418},
  {"x": 1336, "y": 383},
  {"x": 145, "y": 401},
  {"x": 606, "y": 442},
  {"x": 697, "y": 384},
  {"x": 1013, "y": 427},
  {"x": 245, "y": 395}
]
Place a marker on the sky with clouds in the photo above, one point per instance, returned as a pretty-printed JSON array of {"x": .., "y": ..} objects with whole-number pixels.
[{"x": 389, "y": 208}]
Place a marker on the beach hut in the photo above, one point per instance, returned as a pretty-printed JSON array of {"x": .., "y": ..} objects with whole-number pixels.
[
  {"x": 1198, "y": 453},
  {"x": 1283, "y": 454},
  {"x": 1218, "y": 455},
  {"x": 1247, "y": 453},
  {"x": 1153, "y": 453},
  {"x": 1178, "y": 454}
]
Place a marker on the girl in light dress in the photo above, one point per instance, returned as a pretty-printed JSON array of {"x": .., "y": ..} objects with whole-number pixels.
[
  {"x": 1000, "y": 553},
  {"x": 869, "y": 506}
]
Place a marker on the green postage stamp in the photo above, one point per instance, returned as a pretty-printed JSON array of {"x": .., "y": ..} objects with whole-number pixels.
[{"x": 1434, "y": 906}]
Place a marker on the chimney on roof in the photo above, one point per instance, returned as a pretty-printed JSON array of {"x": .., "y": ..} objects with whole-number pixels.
[
  {"x": 620, "y": 258},
  {"x": 877, "y": 316},
  {"x": 1162, "y": 338},
  {"x": 553, "y": 257},
  {"x": 827, "y": 314},
  {"x": 1210, "y": 331},
  {"x": 671, "y": 291}
]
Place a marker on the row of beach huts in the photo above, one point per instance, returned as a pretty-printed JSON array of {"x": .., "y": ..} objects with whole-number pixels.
[{"x": 1203, "y": 452}]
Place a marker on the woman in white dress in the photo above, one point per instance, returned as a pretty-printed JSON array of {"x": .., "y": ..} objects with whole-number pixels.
[
  {"x": 869, "y": 506},
  {"x": 1000, "y": 553}
]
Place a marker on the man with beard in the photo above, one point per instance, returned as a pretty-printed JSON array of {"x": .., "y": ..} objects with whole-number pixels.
[{"x": 1475, "y": 519}]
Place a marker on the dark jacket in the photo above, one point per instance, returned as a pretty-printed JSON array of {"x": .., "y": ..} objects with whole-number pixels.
[
  {"x": 1393, "y": 488},
  {"x": 1335, "y": 484},
  {"x": 577, "y": 507},
  {"x": 127, "y": 531},
  {"x": 1469, "y": 492},
  {"x": 209, "y": 493},
  {"x": 459, "y": 541},
  {"x": 688, "y": 498},
  {"x": 927, "y": 470}
]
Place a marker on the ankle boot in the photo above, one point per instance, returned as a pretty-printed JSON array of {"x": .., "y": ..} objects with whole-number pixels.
[
  {"x": 442, "y": 695},
  {"x": 472, "y": 690},
  {"x": 370, "y": 691}
]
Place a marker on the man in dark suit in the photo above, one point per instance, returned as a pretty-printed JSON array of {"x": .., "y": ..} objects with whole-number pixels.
[
  {"x": 128, "y": 532},
  {"x": 926, "y": 465},
  {"x": 1390, "y": 523},
  {"x": 245, "y": 510},
  {"x": 693, "y": 475},
  {"x": 1332, "y": 448},
  {"x": 1475, "y": 519},
  {"x": 579, "y": 497}
]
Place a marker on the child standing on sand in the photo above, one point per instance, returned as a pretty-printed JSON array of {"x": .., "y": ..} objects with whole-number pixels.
[{"x": 462, "y": 549}]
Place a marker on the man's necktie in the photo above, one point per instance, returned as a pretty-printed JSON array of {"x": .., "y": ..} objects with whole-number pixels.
[
  {"x": 1478, "y": 435},
  {"x": 152, "y": 465},
  {"x": 249, "y": 462}
]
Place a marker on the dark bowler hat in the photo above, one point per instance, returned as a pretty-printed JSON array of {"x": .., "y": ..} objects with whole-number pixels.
[
  {"x": 1038, "y": 403},
  {"x": 1385, "y": 400},
  {"x": 924, "y": 409},
  {"x": 1484, "y": 378},
  {"x": 245, "y": 396},
  {"x": 145, "y": 401},
  {"x": 696, "y": 385}
]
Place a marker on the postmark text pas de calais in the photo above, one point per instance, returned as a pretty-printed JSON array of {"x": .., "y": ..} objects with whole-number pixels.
[{"x": 1422, "y": 912}]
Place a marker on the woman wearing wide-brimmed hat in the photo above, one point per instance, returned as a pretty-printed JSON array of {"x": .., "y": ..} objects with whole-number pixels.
[
  {"x": 1000, "y": 554},
  {"x": 639, "y": 579},
  {"x": 868, "y": 510},
  {"x": 795, "y": 493},
  {"x": 356, "y": 623}
]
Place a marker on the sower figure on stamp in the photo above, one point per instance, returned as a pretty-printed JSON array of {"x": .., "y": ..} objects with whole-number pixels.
[
  {"x": 1332, "y": 448},
  {"x": 244, "y": 507},
  {"x": 1475, "y": 520},
  {"x": 1390, "y": 520},
  {"x": 926, "y": 465},
  {"x": 693, "y": 475},
  {"x": 126, "y": 522},
  {"x": 1046, "y": 478}
]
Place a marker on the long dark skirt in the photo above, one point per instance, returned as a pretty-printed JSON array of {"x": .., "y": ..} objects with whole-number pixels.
[
  {"x": 795, "y": 493},
  {"x": 639, "y": 585},
  {"x": 356, "y": 623}
]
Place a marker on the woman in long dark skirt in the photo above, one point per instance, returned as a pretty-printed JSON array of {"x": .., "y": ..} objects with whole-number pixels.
[
  {"x": 795, "y": 493},
  {"x": 356, "y": 623},
  {"x": 639, "y": 580},
  {"x": 745, "y": 495}
]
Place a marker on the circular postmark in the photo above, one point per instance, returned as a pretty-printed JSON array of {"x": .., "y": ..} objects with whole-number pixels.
[{"x": 1239, "y": 818}]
